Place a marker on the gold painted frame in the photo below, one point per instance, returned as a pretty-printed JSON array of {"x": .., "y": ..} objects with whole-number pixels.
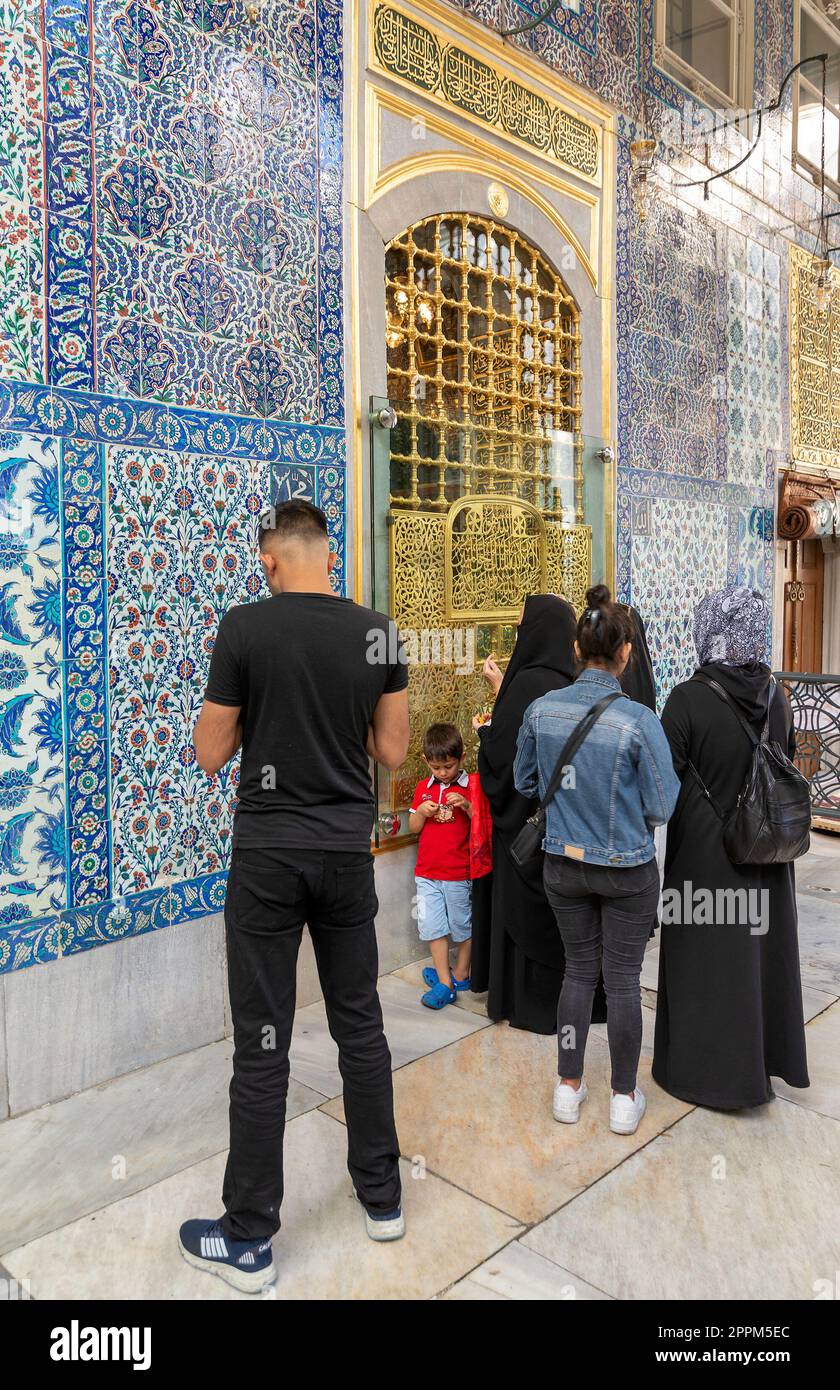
[
  {"x": 518, "y": 173},
  {"x": 529, "y": 173}
]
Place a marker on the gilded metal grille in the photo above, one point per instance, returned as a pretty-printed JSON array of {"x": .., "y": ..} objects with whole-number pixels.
[
  {"x": 483, "y": 366},
  {"x": 483, "y": 344}
]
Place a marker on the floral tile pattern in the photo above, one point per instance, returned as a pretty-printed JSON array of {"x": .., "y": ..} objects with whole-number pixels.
[
  {"x": 32, "y": 789},
  {"x": 181, "y": 549},
  {"x": 170, "y": 351},
  {"x": 753, "y": 361},
  {"x": 170, "y": 202},
  {"x": 700, "y": 406}
]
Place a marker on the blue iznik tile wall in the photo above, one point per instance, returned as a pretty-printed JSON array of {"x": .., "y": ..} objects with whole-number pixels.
[
  {"x": 170, "y": 359},
  {"x": 701, "y": 289}
]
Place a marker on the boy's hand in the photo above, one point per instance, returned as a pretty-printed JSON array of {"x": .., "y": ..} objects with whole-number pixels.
[
  {"x": 428, "y": 809},
  {"x": 463, "y": 804}
]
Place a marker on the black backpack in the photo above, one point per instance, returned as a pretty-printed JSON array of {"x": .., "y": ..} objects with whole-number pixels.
[{"x": 771, "y": 820}]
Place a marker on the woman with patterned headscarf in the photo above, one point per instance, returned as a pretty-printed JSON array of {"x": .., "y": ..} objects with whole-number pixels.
[{"x": 729, "y": 1007}]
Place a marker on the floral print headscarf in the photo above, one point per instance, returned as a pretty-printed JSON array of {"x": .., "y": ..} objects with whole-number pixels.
[{"x": 731, "y": 626}]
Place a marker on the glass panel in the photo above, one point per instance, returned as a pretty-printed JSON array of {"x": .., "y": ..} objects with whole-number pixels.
[
  {"x": 809, "y": 132},
  {"x": 699, "y": 32},
  {"x": 480, "y": 493},
  {"x": 455, "y": 578},
  {"x": 814, "y": 38}
]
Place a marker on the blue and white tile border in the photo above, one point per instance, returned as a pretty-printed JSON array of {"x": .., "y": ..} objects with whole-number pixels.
[{"x": 149, "y": 424}]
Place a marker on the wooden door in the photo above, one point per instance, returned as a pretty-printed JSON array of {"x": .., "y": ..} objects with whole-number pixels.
[
  {"x": 804, "y": 566},
  {"x": 803, "y": 630}
]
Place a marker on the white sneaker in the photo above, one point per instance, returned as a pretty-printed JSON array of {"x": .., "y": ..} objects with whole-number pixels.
[
  {"x": 626, "y": 1112},
  {"x": 567, "y": 1102},
  {"x": 389, "y": 1227}
]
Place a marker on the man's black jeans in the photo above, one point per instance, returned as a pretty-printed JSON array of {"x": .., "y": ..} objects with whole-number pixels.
[{"x": 271, "y": 893}]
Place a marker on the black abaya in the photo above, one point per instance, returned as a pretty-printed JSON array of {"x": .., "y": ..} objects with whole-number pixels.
[
  {"x": 729, "y": 1007},
  {"x": 637, "y": 677},
  {"x": 517, "y": 950}
]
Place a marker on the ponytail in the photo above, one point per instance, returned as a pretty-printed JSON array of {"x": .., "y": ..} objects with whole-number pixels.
[{"x": 604, "y": 626}]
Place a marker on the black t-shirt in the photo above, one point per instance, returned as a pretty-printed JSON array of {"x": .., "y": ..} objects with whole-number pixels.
[{"x": 307, "y": 671}]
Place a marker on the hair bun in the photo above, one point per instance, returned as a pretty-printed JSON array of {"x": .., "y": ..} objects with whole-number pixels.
[{"x": 598, "y": 596}]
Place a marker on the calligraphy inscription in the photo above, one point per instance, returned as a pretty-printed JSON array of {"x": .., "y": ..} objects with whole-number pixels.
[{"x": 408, "y": 50}]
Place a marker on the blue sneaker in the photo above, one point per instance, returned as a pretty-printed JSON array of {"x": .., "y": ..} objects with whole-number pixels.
[{"x": 246, "y": 1264}]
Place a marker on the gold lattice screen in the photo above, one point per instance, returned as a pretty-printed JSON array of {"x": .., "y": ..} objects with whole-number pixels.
[
  {"x": 483, "y": 342},
  {"x": 433, "y": 594}
]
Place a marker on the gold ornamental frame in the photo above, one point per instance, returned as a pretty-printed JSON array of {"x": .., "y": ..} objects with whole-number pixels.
[
  {"x": 526, "y": 172},
  {"x": 519, "y": 175}
]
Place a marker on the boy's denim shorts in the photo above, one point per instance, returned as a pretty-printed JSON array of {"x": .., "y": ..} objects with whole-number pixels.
[{"x": 444, "y": 908}]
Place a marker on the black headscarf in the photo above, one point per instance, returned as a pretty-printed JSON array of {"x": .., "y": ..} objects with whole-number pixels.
[
  {"x": 637, "y": 677},
  {"x": 543, "y": 659}
]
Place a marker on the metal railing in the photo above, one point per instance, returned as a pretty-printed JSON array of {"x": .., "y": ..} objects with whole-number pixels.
[{"x": 815, "y": 701}]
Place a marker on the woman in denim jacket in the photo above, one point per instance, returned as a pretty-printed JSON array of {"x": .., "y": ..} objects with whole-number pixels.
[{"x": 600, "y": 871}]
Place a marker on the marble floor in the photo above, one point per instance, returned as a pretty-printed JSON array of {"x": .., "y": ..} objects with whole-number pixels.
[{"x": 500, "y": 1202}]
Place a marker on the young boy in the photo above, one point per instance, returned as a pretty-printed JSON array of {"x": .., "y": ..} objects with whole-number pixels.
[{"x": 440, "y": 812}]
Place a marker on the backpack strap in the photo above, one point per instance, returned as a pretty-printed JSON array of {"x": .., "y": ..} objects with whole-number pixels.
[
  {"x": 721, "y": 815},
  {"x": 755, "y": 741},
  {"x": 727, "y": 700}
]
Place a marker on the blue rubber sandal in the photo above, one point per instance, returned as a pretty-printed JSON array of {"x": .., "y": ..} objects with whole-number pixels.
[
  {"x": 430, "y": 977},
  {"x": 438, "y": 996}
]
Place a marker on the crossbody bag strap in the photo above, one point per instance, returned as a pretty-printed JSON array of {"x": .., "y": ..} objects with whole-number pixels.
[{"x": 574, "y": 741}]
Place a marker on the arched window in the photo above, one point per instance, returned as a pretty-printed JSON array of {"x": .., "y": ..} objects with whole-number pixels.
[{"x": 483, "y": 343}]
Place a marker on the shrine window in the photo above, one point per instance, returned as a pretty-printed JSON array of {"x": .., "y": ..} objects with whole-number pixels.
[{"x": 485, "y": 486}]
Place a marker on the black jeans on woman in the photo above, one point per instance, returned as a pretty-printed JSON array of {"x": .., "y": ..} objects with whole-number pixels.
[
  {"x": 271, "y": 893},
  {"x": 605, "y": 917}
]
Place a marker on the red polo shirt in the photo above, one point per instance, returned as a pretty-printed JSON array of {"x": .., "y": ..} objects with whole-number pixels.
[{"x": 444, "y": 848}]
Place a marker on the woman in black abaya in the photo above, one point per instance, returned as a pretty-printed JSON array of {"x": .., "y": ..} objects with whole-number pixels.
[
  {"x": 637, "y": 677},
  {"x": 729, "y": 1007},
  {"x": 517, "y": 951}
]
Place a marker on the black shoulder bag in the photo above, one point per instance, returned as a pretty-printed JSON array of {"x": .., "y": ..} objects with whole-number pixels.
[
  {"x": 528, "y": 842},
  {"x": 771, "y": 820}
]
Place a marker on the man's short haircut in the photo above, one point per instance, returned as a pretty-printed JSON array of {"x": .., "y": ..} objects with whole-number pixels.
[
  {"x": 441, "y": 742},
  {"x": 293, "y": 520}
]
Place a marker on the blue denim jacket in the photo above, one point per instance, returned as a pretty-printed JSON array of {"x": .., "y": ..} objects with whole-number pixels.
[{"x": 623, "y": 780}]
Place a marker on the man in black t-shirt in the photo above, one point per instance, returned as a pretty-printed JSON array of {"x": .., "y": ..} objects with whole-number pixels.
[{"x": 311, "y": 686}]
